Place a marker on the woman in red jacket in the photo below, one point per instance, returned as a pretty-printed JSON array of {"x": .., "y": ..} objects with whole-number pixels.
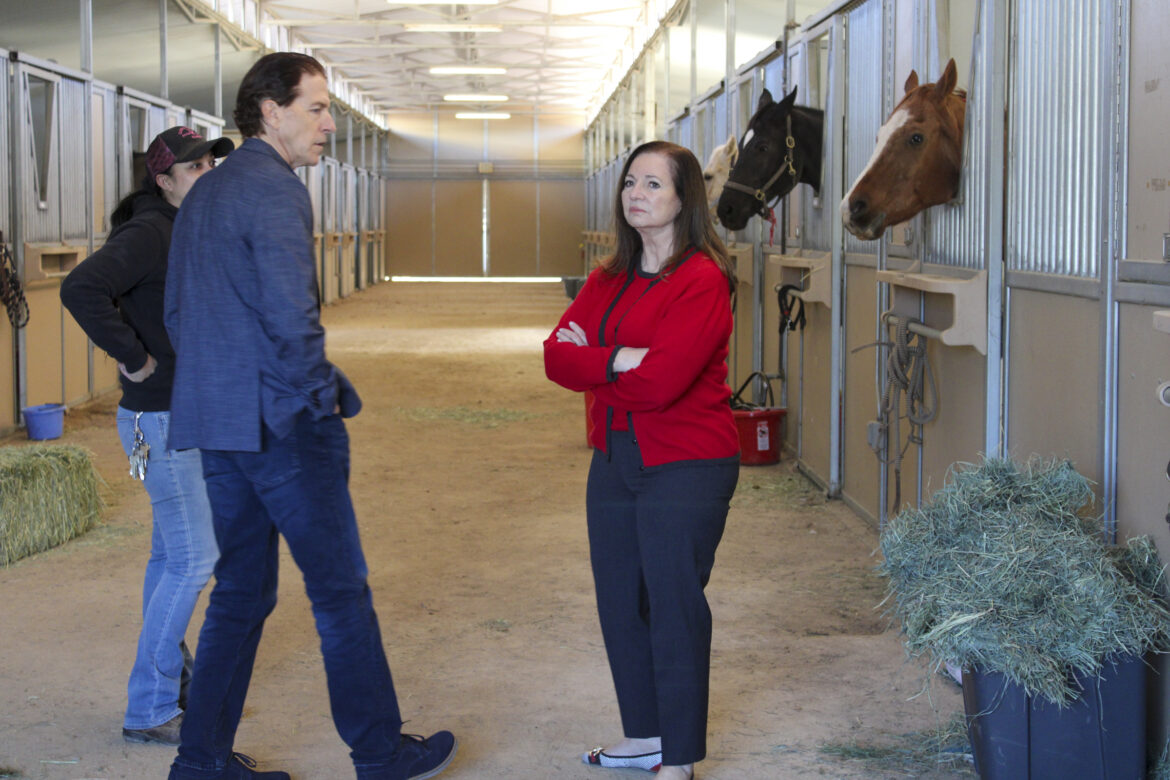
[{"x": 648, "y": 337}]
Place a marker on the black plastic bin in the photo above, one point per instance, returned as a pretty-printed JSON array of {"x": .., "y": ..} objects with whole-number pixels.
[{"x": 1101, "y": 736}]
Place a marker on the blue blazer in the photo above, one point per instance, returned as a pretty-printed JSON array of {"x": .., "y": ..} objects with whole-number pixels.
[{"x": 241, "y": 308}]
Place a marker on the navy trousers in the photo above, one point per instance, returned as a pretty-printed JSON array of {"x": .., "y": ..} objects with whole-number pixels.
[
  {"x": 652, "y": 539},
  {"x": 296, "y": 487}
]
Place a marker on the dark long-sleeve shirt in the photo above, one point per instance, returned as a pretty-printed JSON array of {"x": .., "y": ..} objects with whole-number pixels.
[
  {"x": 116, "y": 296},
  {"x": 241, "y": 308}
]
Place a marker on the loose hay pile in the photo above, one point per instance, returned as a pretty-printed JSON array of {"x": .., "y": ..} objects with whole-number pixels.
[
  {"x": 1000, "y": 571},
  {"x": 48, "y": 495}
]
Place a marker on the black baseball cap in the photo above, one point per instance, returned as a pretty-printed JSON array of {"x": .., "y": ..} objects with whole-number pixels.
[{"x": 182, "y": 144}]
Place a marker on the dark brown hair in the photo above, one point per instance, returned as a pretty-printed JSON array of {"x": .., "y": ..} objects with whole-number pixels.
[
  {"x": 276, "y": 77},
  {"x": 692, "y": 226}
]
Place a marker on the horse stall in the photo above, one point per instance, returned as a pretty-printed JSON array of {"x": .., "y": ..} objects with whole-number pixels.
[
  {"x": 104, "y": 178},
  {"x": 8, "y": 330},
  {"x": 140, "y": 118},
  {"x": 347, "y": 216},
  {"x": 313, "y": 179},
  {"x": 51, "y": 231},
  {"x": 365, "y": 245},
  {"x": 330, "y": 229}
]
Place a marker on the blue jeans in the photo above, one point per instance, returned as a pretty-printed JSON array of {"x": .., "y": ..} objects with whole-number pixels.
[
  {"x": 182, "y": 554},
  {"x": 653, "y": 533},
  {"x": 296, "y": 487}
]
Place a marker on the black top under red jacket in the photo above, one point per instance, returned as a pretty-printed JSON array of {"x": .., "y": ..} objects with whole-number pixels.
[
  {"x": 116, "y": 296},
  {"x": 677, "y": 400}
]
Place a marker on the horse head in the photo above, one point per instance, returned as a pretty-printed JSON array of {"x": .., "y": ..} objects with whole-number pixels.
[
  {"x": 781, "y": 148},
  {"x": 717, "y": 170},
  {"x": 917, "y": 160}
]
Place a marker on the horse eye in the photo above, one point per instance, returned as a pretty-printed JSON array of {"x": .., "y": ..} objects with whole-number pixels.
[
  {"x": 917, "y": 139},
  {"x": 707, "y": 176}
]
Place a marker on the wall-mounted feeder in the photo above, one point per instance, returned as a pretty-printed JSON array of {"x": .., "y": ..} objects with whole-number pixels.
[
  {"x": 964, "y": 298},
  {"x": 810, "y": 272}
]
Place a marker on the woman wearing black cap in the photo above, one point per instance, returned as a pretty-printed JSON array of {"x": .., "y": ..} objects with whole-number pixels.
[{"x": 116, "y": 296}]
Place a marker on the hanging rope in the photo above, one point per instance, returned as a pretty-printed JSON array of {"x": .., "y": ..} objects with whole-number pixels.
[
  {"x": 11, "y": 292},
  {"x": 908, "y": 373}
]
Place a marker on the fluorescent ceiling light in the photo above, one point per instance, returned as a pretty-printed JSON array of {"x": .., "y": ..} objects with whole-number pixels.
[
  {"x": 475, "y": 98},
  {"x": 442, "y": 2},
  {"x": 451, "y": 27},
  {"x": 467, "y": 70},
  {"x": 482, "y": 115}
]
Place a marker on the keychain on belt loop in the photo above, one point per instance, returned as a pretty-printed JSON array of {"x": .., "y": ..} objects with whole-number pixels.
[{"x": 140, "y": 452}]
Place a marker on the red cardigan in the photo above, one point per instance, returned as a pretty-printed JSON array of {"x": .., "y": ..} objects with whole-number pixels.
[{"x": 678, "y": 398}]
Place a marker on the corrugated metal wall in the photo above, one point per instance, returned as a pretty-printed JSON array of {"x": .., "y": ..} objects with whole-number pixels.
[
  {"x": 40, "y": 216},
  {"x": 75, "y": 196},
  {"x": 106, "y": 157},
  {"x": 863, "y": 98},
  {"x": 1057, "y": 136},
  {"x": 818, "y": 213},
  {"x": 955, "y": 233},
  {"x": 5, "y": 154}
]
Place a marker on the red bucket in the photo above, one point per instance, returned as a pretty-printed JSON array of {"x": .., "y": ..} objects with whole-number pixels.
[{"x": 759, "y": 435}]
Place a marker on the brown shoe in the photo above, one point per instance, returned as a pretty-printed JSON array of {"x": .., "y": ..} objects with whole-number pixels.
[{"x": 166, "y": 734}]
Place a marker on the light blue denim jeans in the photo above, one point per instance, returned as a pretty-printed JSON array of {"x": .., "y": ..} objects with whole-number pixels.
[{"x": 182, "y": 556}]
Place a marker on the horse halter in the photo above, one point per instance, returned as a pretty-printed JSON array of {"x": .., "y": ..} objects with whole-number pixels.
[{"x": 786, "y": 164}]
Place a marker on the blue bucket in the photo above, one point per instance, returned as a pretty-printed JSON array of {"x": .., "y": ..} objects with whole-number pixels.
[{"x": 45, "y": 421}]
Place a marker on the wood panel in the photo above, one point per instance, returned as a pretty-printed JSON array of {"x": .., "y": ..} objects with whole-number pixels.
[
  {"x": 408, "y": 219},
  {"x": 42, "y": 364},
  {"x": 562, "y": 218},
  {"x": 513, "y": 228},
  {"x": 459, "y": 228},
  {"x": 860, "y": 472},
  {"x": 75, "y": 347}
]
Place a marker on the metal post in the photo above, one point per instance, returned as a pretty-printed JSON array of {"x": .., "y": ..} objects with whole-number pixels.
[
  {"x": 836, "y": 110},
  {"x": 87, "y": 35},
  {"x": 993, "y": 39},
  {"x": 217, "y": 77},
  {"x": 162, "y": 50}
]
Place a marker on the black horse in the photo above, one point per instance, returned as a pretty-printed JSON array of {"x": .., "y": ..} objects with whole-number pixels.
[{"x": 781, "y": 148}]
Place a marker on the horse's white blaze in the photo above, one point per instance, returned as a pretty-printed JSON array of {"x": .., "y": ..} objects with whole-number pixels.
[
  {"x": 748, "y": 136},
  {"x": 896, "y": 120}
]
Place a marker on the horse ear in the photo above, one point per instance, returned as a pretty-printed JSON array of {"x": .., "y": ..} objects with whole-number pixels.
[
  {"x": 732, "y": 149},
  {"x": 765, "y": 100},
  {"x": 789, "y": 99},
  {"x": 950, "y": 76},
  {"x": 912, "y": 81}
]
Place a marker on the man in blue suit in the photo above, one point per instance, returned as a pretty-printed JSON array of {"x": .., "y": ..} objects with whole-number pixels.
[{"x": 254, "y": 392}]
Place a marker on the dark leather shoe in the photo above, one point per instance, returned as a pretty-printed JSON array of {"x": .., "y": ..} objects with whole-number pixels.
[
  {"x": 417, "y": 758},
  {"x": 243, "y": 767},
  {"x": 239, "y": 767},
  {"x": 165, "y": 734}
]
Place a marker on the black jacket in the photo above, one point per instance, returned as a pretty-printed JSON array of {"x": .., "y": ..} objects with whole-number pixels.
[{"x": 116, "y": 296}]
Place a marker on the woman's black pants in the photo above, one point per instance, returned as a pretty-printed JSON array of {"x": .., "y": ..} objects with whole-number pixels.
[{"x": 652, "y": 538}]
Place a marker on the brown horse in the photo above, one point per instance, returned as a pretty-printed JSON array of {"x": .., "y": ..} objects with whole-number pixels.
[{"x": 917, "y": 159}]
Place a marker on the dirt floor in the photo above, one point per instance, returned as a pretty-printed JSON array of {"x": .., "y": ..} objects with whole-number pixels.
[{"x": 468, "y": 476}]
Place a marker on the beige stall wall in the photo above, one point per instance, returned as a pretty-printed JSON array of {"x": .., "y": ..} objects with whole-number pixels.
[
  {"x": 43, "y": 337},
  {"x": 861, "y": 471},
  {"x": 1053, "y": 387},
  {"x": 1143, "y": 435},
  {"x": 7, "y": 376},
  {"x": 816, "y": 344}
]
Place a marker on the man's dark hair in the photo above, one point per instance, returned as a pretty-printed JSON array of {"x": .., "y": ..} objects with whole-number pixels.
[{"x": 273, "y": 77}]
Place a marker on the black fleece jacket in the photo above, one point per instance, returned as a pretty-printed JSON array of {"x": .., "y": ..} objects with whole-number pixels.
[{"x": 116, "y": 296}]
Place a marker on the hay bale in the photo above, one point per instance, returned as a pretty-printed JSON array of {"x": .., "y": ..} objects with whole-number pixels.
[
  {"x": 48, "y": 495},
  {"x": 1001, "y": 571}
]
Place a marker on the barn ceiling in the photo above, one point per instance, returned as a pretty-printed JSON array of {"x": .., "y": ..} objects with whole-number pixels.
[{"x": 555, "y": 53}]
